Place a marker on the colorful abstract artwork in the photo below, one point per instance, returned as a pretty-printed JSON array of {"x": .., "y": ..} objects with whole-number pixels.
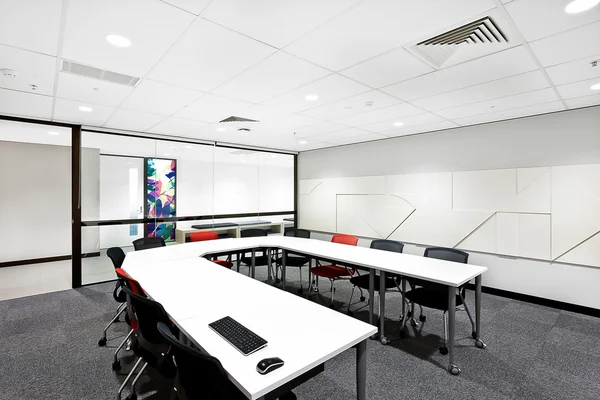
[{"x": 160, "y": 196}]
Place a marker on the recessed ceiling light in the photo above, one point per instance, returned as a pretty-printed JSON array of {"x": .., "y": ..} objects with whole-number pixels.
[
  {"x": 221, "y": 129},
  {"x": 398, "y": 123},
  {"x": 578, "y": 6},
  {"x": 302, "y": 141},
  {"x": 595, "y": 87},
  {"x": 53, "y": 133},
  {"x": 118, "y": 40},
  {"x": 85, "y": 109},
  {"x": 312, "y": 97}
]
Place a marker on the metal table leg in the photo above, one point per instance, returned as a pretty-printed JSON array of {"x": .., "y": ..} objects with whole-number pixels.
[
  {"x": 269, "y": 266},
  {"x": 451, "y": 328},
  {"x": 253, "y": 266},
  {"x": 477, "y": 334},
  {"x": 238, "y": 261},
  {"x": 371, "y": 299},
  {"x": 361, "y": 370},
  {"x": 283, "y": 260},
  {"x": 382, "y": 337}
]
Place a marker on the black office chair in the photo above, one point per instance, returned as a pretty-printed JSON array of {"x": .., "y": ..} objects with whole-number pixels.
[
  {"x": 148, "y": 243},
  {"x": 293, "y": 260},
  {"x": 391, "y": 280},
  {"x": 117, "y": 256},
  {"x": 263, "y": 258},
  {"x": 148, "y": 343},
  {"x": 435, "y": 295}
]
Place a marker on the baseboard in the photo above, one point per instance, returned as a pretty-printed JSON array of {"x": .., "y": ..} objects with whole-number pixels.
[
  {"x": 594, "y": 312},
  {"x": 42, "y": 260}
]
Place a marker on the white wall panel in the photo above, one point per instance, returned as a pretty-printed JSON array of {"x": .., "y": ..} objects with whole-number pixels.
[
  {"x": 483, "y": 238},
  {"x": 534, "y": 236},
  {"x": 422, "y": 190},
  {"x": 507, "y": 234}
]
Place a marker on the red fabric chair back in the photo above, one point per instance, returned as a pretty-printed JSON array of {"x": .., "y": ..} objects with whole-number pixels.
[
  {"x": 202, "y": 236},
  {"x": 132, "y": 284},
  {"x": 345, "y": 239}
]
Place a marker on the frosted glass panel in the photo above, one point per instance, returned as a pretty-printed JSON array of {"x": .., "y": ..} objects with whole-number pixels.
[
  {"x": 194, "y": 179},
  {"x": 121, "y": 187},
  {"x": 236, "y": 181},
  {"x": 276, "y": 182}
]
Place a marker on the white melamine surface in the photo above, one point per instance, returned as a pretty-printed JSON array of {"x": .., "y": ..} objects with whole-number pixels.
[{"x": 269, "y": 312}]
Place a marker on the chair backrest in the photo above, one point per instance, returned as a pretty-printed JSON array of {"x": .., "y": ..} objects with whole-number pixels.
[
  {"x": 202, "y": 236},
  {"x": 116, "y": 255},
  {"x": 254, "y": 232},
  {"x": 129, "y": 282},
  {"x": 345, "y": 239},
  {"x": 387, "y": 245},
  {"x": 148, "y": 243},
  {"x": 442, "y": 253},
  {"x": 299, "y": 233},
  {"x": 148, "y": 314},
  {"x": 211, "y": 383}
]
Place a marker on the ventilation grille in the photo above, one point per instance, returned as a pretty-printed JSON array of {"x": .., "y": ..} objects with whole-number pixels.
[
  {"x": 483, "y": 30},
  {"x": 96, "y": 73},
  {"x": 237, "y": 119}
]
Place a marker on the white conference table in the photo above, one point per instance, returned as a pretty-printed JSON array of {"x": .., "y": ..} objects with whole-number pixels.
[
  {"x": 196, "y": 292},
  {"x": 443, "y": 272}
]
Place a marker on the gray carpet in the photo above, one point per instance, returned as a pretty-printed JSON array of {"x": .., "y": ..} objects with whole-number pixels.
[{"x": 50, "y": 351}]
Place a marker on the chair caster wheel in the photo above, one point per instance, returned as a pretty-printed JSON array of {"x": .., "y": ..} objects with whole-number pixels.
[
  {"x": 102, "y": 342},
  {"x": 413, "y": 323},
  {"x": 443, "y": 350},
  {"x": 362, "y": 298},
  {"x": 116, "y": 365},
  {"x": 479, "y": 344},
  {"x": 454, "y": 370},
  {"x": 384, "y": 341},
  {"x": 316, "y": 290},
  {"x": 132, "y": 396},
  {"x": 422, "y": 318},
  {"x": 402, "y": 334}
]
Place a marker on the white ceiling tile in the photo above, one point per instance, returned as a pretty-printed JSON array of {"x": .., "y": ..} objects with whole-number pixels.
[
  {"x": 179, "y": 127},
  {"x": 578, "y": 89},
  {"x": 277, "y": 74},
  {"x": 31, "y": 24},
  {"x": 387, "y": 127},
  {"x": 276, "y": 22},
  {"x": 568, "y": 46},
  {"x": 67, "y": 110},
  {"x": 397, "y": 111},
  {"x": 211, "y": 108},
  {"x": 152, "y": 27},
  {"x": 352, "y": 135},
  {"x": 574, "y": 71},
  {"x": 352, "y": 105},
  {"x": 207, "y": 56},
  {"x": 586, "y": 101},
  {"x": 411, "y": 130},
  {"x": 133, "y": 120},
  {"x": 160, "y": 98},
  {"x": 392, "y": 67},
  {"x": 506, "y": 1},
  {"x": 320, "y": 128},
  {"x": 193, "y": 6},
  {"x": 364, "y": 32},
  {"x": 32, "y": 69},
  {"x": 496, "y": 66},
  {"x": 24, "y": 104},
  {"x": 329, "y": 89},
  {"x": 503, "y": 104},
  {"x": 88, "y": 90},
  {"x": 516, "y": 113},
  {"x": 540, "y": 18},
  {"x": 512, "y": 85}
]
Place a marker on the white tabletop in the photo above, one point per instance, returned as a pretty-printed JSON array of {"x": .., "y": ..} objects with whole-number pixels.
[{"x": 196, "y": 292}]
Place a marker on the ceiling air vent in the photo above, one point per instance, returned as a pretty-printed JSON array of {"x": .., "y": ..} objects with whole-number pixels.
[
  {"x": 237, "y": 119},
  {"x": 96, "y": 73},
  {"x": 477, "y": 34}
]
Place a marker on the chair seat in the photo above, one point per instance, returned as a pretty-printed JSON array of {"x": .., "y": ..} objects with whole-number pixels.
[
  {"x": 429, "y": 298},
  {"x": 362, "y": 281},
  {"x": 293, "y": 261},
  {"x": 331, "y": 271},
  {"x": 153, "y": 354},
  {"x": 258, "y": 260},
  {"x": 224, "y": 263}
]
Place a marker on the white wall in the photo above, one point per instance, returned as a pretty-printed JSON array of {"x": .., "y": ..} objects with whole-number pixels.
[
  {"x": 425, "y": 170},
  {"x": 35, "y": 211}
]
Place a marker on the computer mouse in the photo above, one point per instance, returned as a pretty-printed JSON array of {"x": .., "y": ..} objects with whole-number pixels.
[{"x": 269, "y": 364}]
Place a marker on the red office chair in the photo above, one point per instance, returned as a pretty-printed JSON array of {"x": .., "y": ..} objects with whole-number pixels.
[
  {"x": 210, "y": 235},
  {"x": 334, "y": 272}
]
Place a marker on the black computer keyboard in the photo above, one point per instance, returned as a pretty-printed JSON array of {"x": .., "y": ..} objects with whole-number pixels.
[{"x": 240, "y": 337}]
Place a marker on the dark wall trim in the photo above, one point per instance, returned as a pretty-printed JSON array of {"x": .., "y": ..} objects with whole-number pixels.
[
  {"x": 179, "y": 219},
  {"x": 76, "y": 206},
  {"x": 17, "y": 263},
  {"x": 36, "y": 121},
  {"x": 594, "y": 312},
  {"x": 296, "y": 191}
]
